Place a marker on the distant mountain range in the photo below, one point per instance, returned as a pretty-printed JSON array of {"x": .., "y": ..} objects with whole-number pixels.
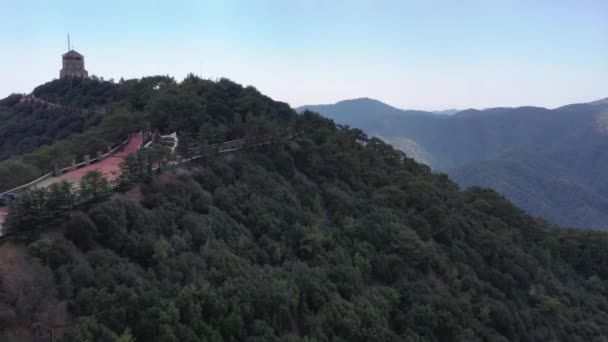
[{"x": 551, "y": 162}]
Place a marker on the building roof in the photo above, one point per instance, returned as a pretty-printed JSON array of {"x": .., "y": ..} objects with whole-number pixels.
[{"x": 72, "y": 53}]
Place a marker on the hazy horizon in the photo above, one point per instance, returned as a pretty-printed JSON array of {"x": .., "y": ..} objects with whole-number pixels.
[{"x": 409, "y": 54}]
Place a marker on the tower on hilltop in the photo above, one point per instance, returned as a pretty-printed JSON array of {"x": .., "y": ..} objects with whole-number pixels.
[{"x": 73, "y": 64}]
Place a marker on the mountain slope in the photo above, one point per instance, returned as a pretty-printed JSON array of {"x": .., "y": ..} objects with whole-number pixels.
[
  {"x": 360, "y": 110},
  {"x": 377, "y": 118},
  {"x": 470, "y": 144},
  {"x": 323, "y": 235},
  {"x": 540, "y": 185},
  {"x": 469, "y": 135},
  {"x": 39, "y": 137},
  {"x": 600, "y": 102},
  {"x": 25, "y": 127},
  {"x": 410, "y": 148}
]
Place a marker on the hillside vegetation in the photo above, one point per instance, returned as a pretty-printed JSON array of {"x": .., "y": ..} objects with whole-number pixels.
[
  {"x": 327, "y": 235},
  {"x": 39, "y": 137},
  {"x": 25, "y": 127},
  {"x": 492, "y": 148},
  {"x": 541, "y": 185}
]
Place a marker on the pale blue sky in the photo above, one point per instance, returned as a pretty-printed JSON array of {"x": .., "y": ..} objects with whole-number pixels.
[{"x": 424, "y": 54}]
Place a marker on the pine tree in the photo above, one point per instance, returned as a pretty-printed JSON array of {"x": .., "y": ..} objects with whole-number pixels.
[
  {"x": 28, "y": 213},
  {"x": 133, "y": 170},
  {"x": 126, "y": 336},
  {"x": 94, "y": 186},
  {"x": 61, "y": 198}
]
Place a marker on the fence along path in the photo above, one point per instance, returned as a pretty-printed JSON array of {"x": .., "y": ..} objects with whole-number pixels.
[
  {"x": 67, "y": 173},
  {"x": 32, "y": 98},
  {"x": 105, "y": 163},
  {"x": 108, "y": 164}
]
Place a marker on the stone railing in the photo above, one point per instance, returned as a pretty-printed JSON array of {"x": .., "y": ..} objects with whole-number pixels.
[
  {"x": 24, "y": 187},
  {"x": 33, "y": 99},
  {"x": 220, "y": 148},
  {"x": 86, "y": 161}
]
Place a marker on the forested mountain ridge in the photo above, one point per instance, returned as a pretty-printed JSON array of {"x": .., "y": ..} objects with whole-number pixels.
[
  {"x": 471, "y": 135},
  {"x": 326, "y": 236},
  {"x": 59, "y": 142},
  {"x": 541, "y": 185},
  {"x": 26, "y": 126},
  {"x": 574, "y": 137}
]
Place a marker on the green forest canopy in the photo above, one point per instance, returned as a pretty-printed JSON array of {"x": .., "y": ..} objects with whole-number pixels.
[
  {"x": 329, "y": 236},
  {"x": 150, "y": 103}
]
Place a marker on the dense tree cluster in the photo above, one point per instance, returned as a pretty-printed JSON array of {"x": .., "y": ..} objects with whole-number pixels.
[
  {"x": 202, "y": 111},
  {"x": 34, "y": 209},
  {"x": 326, "y": 236},
  {"x": 544, "y": 187},
  {"x": 27, "y": 126},
  {"x": 81, "y": 92},
  {"x": 124, "y": 114}
]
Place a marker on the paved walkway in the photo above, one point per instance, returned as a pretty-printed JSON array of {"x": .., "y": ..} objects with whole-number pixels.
[{"x": 110, "y": 167}]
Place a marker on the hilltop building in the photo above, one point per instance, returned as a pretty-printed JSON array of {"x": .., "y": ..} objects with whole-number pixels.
[{"x": 73, "y": 64}]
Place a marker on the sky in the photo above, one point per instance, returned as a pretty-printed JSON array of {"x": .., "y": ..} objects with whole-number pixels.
[{"x": 425, "y": 54}]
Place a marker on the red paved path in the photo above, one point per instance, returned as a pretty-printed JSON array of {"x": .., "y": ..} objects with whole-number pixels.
[{"x": 109, "y": 166}]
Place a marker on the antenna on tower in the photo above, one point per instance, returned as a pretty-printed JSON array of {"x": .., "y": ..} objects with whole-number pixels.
[{"x": 69, "y": 47}]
